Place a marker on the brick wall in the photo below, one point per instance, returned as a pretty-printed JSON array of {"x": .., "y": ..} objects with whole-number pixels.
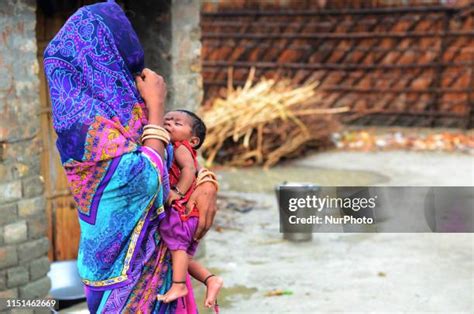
[
  {"x": 390, "y": 62},
  {"x": 23, "y": 242}
]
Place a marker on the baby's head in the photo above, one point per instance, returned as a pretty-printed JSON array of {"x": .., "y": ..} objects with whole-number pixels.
[{"x": 184, "y": 125}]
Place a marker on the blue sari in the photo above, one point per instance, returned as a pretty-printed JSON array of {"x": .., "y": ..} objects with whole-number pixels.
[{"x": 118, "y": 185}]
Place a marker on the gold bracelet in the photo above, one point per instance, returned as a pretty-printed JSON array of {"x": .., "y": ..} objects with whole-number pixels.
[
  {"x": 206, "y": 176},
  {"x": 216, "y": 184},
  {"x": 155, "y": 132},
  {"x": 157, "y": 137},
  {"x": 176, "y": 189},
  {"x": 204, "y": 173},
  {"x": 204, "y": 170},
  {"x": 153, "y": 126}
]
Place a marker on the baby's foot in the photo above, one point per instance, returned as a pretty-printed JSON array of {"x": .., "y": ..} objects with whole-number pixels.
[
  {"x": 177, "y": 290},
  {"x": 214, "y": 285}
]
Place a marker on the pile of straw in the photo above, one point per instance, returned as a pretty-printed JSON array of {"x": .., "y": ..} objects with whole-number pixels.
[{"x": 260, "y": 124}]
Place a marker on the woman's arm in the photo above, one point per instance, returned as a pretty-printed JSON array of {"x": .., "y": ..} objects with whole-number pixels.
[
  {"x": 152, "y": 88},
  {"x": 205, "y": 198}
]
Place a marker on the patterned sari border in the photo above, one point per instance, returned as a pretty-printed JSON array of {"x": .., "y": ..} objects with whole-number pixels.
[
  {"x": 153, "y": 156},
  {"x": 137, "y": 237},
  {"x": 98, "y": 195}
]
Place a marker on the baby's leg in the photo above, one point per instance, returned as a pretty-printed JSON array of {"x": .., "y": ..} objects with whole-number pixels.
[
  {"x": 180, "y": 268},
  {"x": 212, "y": 282},
  {"x": 198, "y": 271}
]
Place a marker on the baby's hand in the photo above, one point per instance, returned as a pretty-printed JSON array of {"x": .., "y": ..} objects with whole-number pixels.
[{"x": 173, "y": 196}]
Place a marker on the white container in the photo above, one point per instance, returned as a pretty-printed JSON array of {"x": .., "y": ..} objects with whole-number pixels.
[{"x": 65, "y": 281}]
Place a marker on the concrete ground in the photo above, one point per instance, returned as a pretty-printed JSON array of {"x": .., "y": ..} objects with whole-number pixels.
[{"x": 337, "y": 272}]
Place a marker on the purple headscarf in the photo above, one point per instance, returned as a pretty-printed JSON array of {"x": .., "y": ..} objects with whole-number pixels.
[{"x": 89, "y": 66}]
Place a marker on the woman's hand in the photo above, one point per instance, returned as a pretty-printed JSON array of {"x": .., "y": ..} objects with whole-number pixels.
[
  {"x": 152, "y": 88},
  {"x": 204, "y": 198}
]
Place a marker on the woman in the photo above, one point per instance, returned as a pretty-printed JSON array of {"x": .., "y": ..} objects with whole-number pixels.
[{"x": 119, "y": 186}]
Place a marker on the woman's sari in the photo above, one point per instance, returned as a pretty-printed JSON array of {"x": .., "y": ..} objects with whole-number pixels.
[{"x": 118, "y": 185}]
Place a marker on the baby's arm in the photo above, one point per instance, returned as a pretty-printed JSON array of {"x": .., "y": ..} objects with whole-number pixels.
[{"x": 185, "y": 162}]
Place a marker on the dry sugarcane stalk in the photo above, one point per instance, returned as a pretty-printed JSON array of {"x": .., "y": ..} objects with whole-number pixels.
[{"x": 263, "y": 122}]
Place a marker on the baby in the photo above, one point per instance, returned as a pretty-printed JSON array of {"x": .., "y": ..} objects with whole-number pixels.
[{"x": 187, "y": 132}]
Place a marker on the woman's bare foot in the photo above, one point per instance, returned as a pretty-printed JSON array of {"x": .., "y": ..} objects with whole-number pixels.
[
  {"x": 177, "y": 290},
  {"x": 214, "y": 285}
]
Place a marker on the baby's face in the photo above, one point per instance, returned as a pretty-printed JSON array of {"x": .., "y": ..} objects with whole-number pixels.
[{"x": 179, "y": 126}]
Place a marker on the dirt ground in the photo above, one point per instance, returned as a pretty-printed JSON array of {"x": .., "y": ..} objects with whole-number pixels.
[{"x": 337, "y": 272}]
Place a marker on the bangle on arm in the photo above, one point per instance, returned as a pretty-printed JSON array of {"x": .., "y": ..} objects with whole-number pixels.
[
  {"x": 153, "y": 131},
  {"x": 176, "y": 189},
  {"x": 216, "y": 184},
  {"x": 205, "y": 175}
]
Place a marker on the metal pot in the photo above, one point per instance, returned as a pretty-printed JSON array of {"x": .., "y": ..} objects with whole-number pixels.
[{"x": 298, "y": 236}]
